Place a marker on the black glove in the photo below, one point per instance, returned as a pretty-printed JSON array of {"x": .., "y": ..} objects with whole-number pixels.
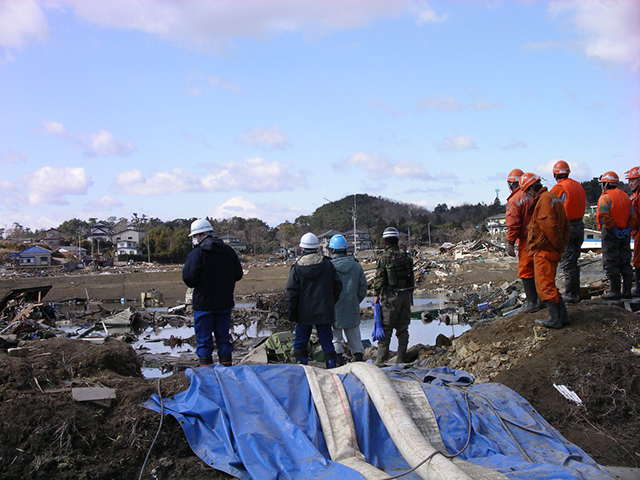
[
  {"x": 293, "y": 316},
  {"x": 511, "y": 251}
]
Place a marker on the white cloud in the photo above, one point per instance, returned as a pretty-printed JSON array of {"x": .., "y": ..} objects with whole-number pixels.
[
  {"x": 175, "y": 180},
  {"x": 513, "y": 145},
  {"x": 426, "y": 14},
  {"x": 273, "y": 213},
  {"x": 20, "y": 22},
  {"x": 211, "y": 25},
  {"x": 271, "y": 138},
  {"x": 52, "y": 185},
  {"x": 13, "y": 157},
  {"x": 98, "y": 144},
  {"x": 379, "y": 166},
  {"x": 104, "y": 204},
  {"x": 447, "y": 104},
  {"x": 456, "y": 144},
  {"x": 610, "y": 29},
  {"x": 253, "y": 175},
  {"x": 482, "y": 105},
  {"x": 10, "y": 195}
]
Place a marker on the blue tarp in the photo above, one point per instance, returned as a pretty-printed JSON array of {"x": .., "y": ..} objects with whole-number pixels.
[{"x": 260, "y": 422}]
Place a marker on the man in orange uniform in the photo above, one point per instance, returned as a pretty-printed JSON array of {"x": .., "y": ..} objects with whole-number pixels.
[
  {"x": 515, "y": 218},
  {"x": 616, "y": 218},
  {"x": 548, "y": 234},
  {"x": 573, "y": 198},
  {"x": 633, "y": 176}
]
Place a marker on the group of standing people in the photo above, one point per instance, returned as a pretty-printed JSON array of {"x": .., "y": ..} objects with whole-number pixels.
[
  {"x": 326, "y": 293},
  {"x": 548, "y": 228},
  {"x": 321, "y": 292}
]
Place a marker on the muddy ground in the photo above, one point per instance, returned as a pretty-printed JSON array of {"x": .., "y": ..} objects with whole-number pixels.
[{"x": 45, "y": 434}]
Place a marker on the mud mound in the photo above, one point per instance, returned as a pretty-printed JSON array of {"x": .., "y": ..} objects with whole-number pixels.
[
  {"x": 592, "y": 357},
  {"x": 46, "y": 434}
]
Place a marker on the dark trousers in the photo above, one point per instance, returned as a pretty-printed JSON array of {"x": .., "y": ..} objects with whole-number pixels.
[
  {"x": 569, "y": 261},
  {"x": 303, "y": 334},
  {"x": 616, "y": 255},
  {"x": 216, "y": 322}
]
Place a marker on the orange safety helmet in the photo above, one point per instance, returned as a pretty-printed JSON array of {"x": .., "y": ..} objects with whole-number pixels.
[
  {"x": 528, "y": 179},
  {"x": 633, "y": 173},
  {"x": 609, "y": 177},
  {"x": 561, "y": 168},
  {"x": 514, "y": 175}
]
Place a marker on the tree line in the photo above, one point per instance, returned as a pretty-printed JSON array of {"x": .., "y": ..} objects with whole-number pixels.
[{"x": 168, "y": 241}]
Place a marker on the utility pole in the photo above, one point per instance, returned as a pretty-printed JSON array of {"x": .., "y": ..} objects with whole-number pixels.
[
  {"x": 429, "y": 230},
  {"x": 355, "y": 236},
  {"x": 148, "y": 250}
]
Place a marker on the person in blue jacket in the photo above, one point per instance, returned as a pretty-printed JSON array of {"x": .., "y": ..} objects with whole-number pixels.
[
  {"x": 354, "y": 289},
  {"x": 212, "y": 269},
  {"x": 312, "y": 290}
]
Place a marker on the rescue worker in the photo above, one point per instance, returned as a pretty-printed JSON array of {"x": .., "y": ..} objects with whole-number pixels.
[
  {"x": 312, "y": 290},
  {"x": 212, "y": 269},
  {"x": 616, "y": 218},
  {"x": 633, "y": 176},
  {"x": 354, "y": 289},
  {"x": 393, "y": 288},
  {"x": 573, "y": 198},
  {"x": 516, "y": 216},
  {"x": 548, "y": 234}
]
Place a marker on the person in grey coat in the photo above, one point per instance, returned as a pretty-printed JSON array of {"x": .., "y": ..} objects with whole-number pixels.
[{"x": 354, "y": 289}]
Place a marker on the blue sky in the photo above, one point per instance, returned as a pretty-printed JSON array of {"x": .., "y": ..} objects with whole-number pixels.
[{"x": 266, "y": 109}]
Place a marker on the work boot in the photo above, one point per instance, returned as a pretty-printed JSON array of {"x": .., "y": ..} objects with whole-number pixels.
[
  {"x": 626, "y": 286},
  {"x": 614, "y": 291},
  {"x": 571, "y": 289},
  {"x": 301, "y": 356},
  {"x": 555, "y": 316},
  {"x": 225, "y": 360},
  {"x": 564, "y": 315},
  {"x": 358, "y": 357},
  {"x": 402, "y": 350},
  {"x": 330, "y": 360},
  {"x": 382, "y": 354},
  {"x": 636, "y": 291},
  {"x": 340, "y": 360},
  {"x": 532, "y": 303},
  {"x": 205, "y": 361}
]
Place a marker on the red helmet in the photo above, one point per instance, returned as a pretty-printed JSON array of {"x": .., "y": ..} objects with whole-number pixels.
[
  {"x": 561, "y": 168},
  {"x": 528, "y": 179},
  {"x": 609, "y": 177},
  {"x": 514, "y": 175},
  {"x": 633, "y": 173}
]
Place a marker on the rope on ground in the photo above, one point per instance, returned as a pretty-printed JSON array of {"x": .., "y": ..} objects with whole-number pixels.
[{"x": 144, "y": 464}]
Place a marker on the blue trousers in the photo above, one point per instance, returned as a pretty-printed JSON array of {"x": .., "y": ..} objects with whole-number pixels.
[
  {"x": 208, "y": 323},
  {"x": 303, "y": 334}
]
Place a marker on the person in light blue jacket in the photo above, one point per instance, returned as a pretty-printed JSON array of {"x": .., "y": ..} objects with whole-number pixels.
[{"x": 354, "y": 289}]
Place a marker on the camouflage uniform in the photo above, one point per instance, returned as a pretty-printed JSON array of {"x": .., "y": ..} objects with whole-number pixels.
[{"x": 394, "y": 285}]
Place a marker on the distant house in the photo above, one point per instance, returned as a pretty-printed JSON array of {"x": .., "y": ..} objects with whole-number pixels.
[
  {"x": 323, "y": 238},
  {"x": 32, "y": 257},
  {"x": 52, "y": 238},
  {"x": 496, "y": 225},
  {"x": 234, "y": 242},
  {"x": 128, "y": 241},
  {"x": 100, "y": 233},
  {"x": 280, "y": 252},
  {"x": 79, "y": 252},
  {"x": 362, "y": 237}
]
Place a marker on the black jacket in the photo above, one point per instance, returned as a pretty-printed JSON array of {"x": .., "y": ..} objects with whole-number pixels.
[
  {"x": 313, "y": 288},
  {"x": 212, "y": 270}
]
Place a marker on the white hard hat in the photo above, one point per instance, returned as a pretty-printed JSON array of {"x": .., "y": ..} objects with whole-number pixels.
[
  {"x": 200, "y": 226},
  {"x": 390, "y": 232},
  {"x": 309, "y": 241}
]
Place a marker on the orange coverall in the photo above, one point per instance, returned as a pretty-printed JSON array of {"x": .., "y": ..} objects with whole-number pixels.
[
  {"x": 548, "y": 235},
  {"x": 516, "y": 216},
  {"x": 635, "y": 203}
]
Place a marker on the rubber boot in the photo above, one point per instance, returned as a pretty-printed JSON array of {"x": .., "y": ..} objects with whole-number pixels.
[
  {"x": 301, "y": 357},
  {"x": 626, "y": 286},
  {"x": 532, "y": 304},
  {"x": 330, "y": 360},
  {"x": 555, "y": 316},
  {"x": 614, "y": 292},
  {"x": 205, "y": 361},
  {"x": 358, "y": 357},
  {"x": 564, "y": 315},
  {"x": 225, "y": 360},
  {"x": 403, "y": 341},
  {"x": 340, "y": 360},
  {"x": 382, "y": 354},
  {"x": 571, "y": 290},
  {"x": 636, "y": 291}
]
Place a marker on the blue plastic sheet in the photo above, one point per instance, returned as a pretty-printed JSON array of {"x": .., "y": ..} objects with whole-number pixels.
[{"x": 260, "y": 422}]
